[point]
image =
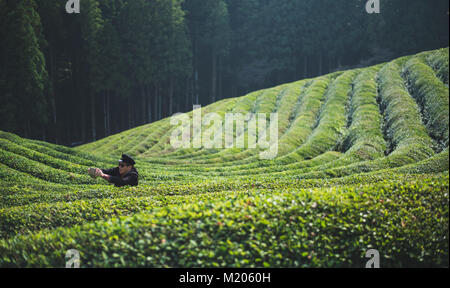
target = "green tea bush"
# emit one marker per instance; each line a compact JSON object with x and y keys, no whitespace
{"x":403,"y":124}
{"x":29,"y":218}
{"x":357,"y":169}
{"x":439,"y":62}
{"x":42,"y":158}
{"x":406,"y":222}
{"x":331,"y":122}
{"x":365,"y":138}
{"x":42,"y":171}
{"x":301,"y":126}
{"x":432,"y":96}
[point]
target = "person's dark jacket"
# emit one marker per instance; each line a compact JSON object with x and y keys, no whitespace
{"x":130,"y":178}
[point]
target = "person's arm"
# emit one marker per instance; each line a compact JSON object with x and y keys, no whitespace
{"x":107,"y":174}
{"x":108,"y":171}
{"x":130,"y":179}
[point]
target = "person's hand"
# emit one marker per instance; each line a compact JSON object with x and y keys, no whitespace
{"x":98,"y":172}
{"x":92,"y":172}
{"x":101,"y":174}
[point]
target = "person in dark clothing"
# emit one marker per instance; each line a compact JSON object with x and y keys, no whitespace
{"x":120,"y":176}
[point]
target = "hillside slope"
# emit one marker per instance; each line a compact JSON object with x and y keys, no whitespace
{"x":386,"y":116}
{"x":361,"y":163}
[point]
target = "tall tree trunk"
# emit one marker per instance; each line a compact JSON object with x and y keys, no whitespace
{"x":214,"y":77}
{"x":305,"y":67}
{"x":83,"y":122}
{"x":234,"y":83}
{"x":330,"y":63}
{"x":143,"y":104}
{"x":192,"y":87}
{"x":320,"y":63}
{"x":195,"y":74}
{"x":26,"y":128}
{"x":196,"y":88}
{"x":130,"y":108}
{"x":52,"y":79}
{"x":155,"y":108}
{"x":108,"y":113}
{"x":171,"y":95}
{"x":187,"y":93}
{"x":159,"y":103}
{"x":94,"y":130}
{"x":220,"y":76}
{"x":105,"y":113}
{"x":295,"y":70}
{"x":149,"y":103}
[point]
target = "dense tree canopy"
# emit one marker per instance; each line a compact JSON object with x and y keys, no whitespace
{"x":72,"y":78}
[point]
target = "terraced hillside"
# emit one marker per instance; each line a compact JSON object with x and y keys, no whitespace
{"x":362,"y":163}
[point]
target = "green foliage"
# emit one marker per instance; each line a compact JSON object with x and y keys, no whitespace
{"x":403,"y":123}
{"x":294,"y":229}
{"x":356,"y":170}
{"x":433,"y":98}
{"x":24,"y":79}
{"x":439,"y":62}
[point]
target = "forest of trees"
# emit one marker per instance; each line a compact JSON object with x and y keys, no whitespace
{"x":75,"y":78}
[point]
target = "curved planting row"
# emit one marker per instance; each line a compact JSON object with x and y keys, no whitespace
{"x":331,"y":122}
{"x":266,"y":104}
{"x":34,"y":217}
{"x":433,"y":98}
{"x":407,"y":136}
{"x":319,"y":229}
{"x":363,"y":140}
{"x":362,"y":163}
{"x":404,"y":130}
{"x":42,"y":171}
{"x":163,"y":144}
{"x":439,"y":62}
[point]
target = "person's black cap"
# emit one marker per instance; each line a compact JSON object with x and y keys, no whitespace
{"x":127,"y":159}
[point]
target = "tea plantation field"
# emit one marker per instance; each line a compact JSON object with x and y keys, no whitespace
{"x":362,"y":163}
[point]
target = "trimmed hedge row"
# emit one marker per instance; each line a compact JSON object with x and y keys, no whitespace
{"x":286,"y":115}
{"x":331,"y":122}
{"x":403,"y":124}
{"x":406,"y":222}
{"x":365,"y":138}
{"x":432,"y":96}
{"x":306,"y":117}
{"x":407,"y":135}
{"x":439,"y":62}
{"x":29,"y":218}
{"x":164,"y":140}
{"x":265,"y":103}
{"x":42,"y":158}
{"x":75,"y":152}
{"x":9,"y":175}
{"x":180,"y":155}
{"x":42,"y":171}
